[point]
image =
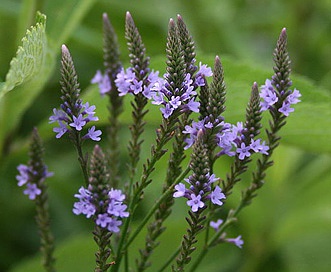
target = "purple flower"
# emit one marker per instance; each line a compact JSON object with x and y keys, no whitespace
{"x":167,"y":111}
{"x":269,"y":95}
{"x":117,"y":209}
{"x":103,"y":220}
{"x":293,"y":97}
{"x":195,"y":202}
{"x":175,"y":102}
{"x":136,"y":86}
{"x":32,"y":190}
{"x":193,"y":105}
{"x":180,"y":190}
{"x":23,"y":176}
{"x":90,"y":111}
{"x":103,"y":81}
{"x":200,"y":191}
{"x":216,"y":195}
{"x":61,"y":130}
{"x":84,"y":205}
{"x":113,"y":225}
{"x":236,"y":241}
{"x":216,"y":225}
{"x":243,"y":151}
{"x":256,"y":146}
{"x":116,"y":195}
{"x":78,"y":122}
{"x":211,"y":178}
{"x":286,"y":109}
{"x":93,"y":134}
{"x":106,"y":212}
{"x":203,"y":72}
{"x":124,"y":80}
{"x":59,"y":115}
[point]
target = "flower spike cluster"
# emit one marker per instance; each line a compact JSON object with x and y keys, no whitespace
{"x":34,"y":174}
{"x":114,"y":208}
{"x":73,"y":115}
{"x":201,"y":182}
{"x":104,"y":205}
{"x":164,"y":90}
{"x":270,"y":97}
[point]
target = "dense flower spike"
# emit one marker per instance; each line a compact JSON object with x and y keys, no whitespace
{"x":73,"y":115}
{"x":199,"y":192}
{"x":115,"y":209}
{"x":33,"y":177}
{"x":34,"y":174}
{"x":270,"y":98}
{"x":104,"y":205}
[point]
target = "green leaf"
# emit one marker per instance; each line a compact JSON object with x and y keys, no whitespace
{"x":28,"y":73}
{"x":29,"y":58}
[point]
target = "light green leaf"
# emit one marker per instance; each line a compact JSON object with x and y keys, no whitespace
{"x":28,"y":73}
{"x":29,"y":58}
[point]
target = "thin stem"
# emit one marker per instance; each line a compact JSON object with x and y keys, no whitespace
{"x":170,"y":260}
{"x":46,"y":237}
{"x":163,"y":136}
{"x":82,"y":160}
{"x":155,"y":207}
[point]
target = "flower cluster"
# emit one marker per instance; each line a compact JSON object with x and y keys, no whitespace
{"x":73,"y":115}
{"x":271,"y":97}
{"x":29,"y":177}
{"x":196,"y":200}
{"x":127,"y":82}
{"x":184,"y":98}
{"x":155,"y":88}
{"x":103,"y":82}
{"x":89,"y":205}
{"x":229,"y":139}
{"x":68,"y":121}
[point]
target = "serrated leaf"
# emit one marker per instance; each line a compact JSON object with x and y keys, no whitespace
{"x":29,"y":57}
{"x":28,"y":73}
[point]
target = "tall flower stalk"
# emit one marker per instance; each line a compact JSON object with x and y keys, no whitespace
{"x":33,"y":176}
{"x":277,"y":99}
{"x":74,"y":115}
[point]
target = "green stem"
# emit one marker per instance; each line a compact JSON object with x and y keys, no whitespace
{"x":157,"y":153}
{"x":155,"y":207}
{"x":170,"y":260}
{"x":82,"y":160}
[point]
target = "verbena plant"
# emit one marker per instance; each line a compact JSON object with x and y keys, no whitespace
{"x":191,"y":98}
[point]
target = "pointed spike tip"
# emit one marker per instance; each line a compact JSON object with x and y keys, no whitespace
{"x":128,"y":15}
{"x":105,"y":16}
{"x":64,"y":49}
{"x":171,"y":23}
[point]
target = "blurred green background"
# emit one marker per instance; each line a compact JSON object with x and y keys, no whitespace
{"x":288,"y":226}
